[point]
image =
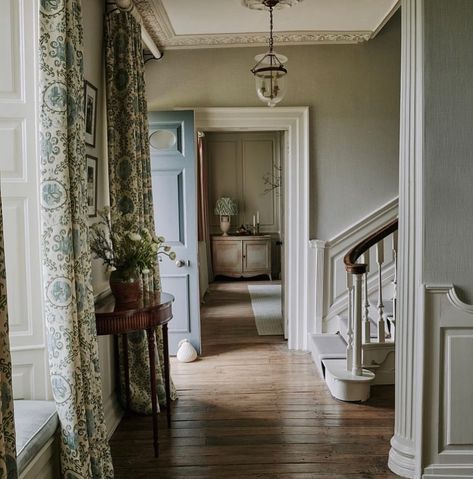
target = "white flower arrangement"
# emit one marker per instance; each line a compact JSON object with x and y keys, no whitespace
{"x":125,"y":247}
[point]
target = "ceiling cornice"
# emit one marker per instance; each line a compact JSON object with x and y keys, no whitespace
{"x":156,"y":21}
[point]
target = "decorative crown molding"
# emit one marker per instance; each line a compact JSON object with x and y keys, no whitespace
{"x":157,"y":23}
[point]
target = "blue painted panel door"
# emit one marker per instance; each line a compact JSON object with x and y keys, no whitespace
{"x":174,"y":176}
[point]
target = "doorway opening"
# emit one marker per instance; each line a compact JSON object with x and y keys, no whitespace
{"x":243,"y":187}
{"x":293,"y":123}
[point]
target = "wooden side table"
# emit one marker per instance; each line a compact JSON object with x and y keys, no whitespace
{"x":152,"y":310}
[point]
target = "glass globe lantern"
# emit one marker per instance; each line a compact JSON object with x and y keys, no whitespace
{"x":269,"y":71}
{"x":270,"y":76}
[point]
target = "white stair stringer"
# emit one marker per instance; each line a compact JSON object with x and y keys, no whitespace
{"x":326,"y":346}
{"x":380,"y":359}
{"x":343,"y":384}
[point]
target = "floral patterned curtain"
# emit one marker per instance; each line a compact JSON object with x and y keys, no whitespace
{"x":68,"y":298}
{"x":130,"y":176}
{"x":8,"y":468}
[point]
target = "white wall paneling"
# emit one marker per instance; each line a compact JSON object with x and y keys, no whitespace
{"x":237,"y":164}
{"x":328,"y":275}
{"x":20,"y":196}
{"x":294,"y":122}
{"x":447,"y":418}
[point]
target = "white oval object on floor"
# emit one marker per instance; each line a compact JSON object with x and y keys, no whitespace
{"x":186,"y":353}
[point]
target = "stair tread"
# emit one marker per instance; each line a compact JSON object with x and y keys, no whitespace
{"x":329,"y":346}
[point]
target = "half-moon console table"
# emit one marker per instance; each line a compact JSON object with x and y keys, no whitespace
{"x":152,"y":310}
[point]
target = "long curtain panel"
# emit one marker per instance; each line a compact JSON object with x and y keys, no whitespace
{"x":130,"y":178}
{"x":68,"y":298}
{"x":8,"y":468}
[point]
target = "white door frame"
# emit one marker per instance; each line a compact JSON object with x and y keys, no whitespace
{"x":294,"y":121}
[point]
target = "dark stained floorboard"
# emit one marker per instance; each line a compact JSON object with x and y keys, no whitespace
{"x":251,"y":409}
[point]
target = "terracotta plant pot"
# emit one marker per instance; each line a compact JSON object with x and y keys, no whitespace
{"x":126,"y":287}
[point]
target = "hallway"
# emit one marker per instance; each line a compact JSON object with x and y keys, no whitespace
{"x":250,"y":409}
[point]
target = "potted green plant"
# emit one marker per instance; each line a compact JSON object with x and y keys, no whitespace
{"x":128,"y":250}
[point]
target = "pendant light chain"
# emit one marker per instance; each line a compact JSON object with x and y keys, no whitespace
{"x":269,"y":70}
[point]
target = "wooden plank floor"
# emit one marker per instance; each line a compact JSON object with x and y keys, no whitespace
{"x":250,"y":409}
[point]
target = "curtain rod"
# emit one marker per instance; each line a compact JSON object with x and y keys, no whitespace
{"x":129,"y":6}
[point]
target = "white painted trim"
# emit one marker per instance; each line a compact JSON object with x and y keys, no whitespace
{"x":405,"y":456}
{"x":316,"y":312}
{"x":159,"y":26}
{"x":448,"y":317}
{"x":294,"y":121}
{"x":325,"y":255}
{"x":386,"y":18}
{"x":385,"y":213}
{"x":113,"y":414}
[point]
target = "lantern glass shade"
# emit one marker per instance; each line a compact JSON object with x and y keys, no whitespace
{"x":270,"y":76}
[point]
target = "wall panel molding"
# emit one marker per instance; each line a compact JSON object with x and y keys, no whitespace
{"x":329,"y":277}
{"x":447,"y":418}
{"x":237,"y":162}
{"x":20,"y":193}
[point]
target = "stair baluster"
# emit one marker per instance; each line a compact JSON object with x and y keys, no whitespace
{"x":366,"y":308}
{"x":357,"y":325}
{"x":393,"y":320}
{"x":350,"y":323}
{"x":380,"y":305}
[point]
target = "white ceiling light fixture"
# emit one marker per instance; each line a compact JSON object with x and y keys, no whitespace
{"x":269,"y":71}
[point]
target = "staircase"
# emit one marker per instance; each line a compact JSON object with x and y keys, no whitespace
{"x":361,"y":353}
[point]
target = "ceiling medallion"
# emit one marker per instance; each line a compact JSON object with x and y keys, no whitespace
{"x":262,"y":4}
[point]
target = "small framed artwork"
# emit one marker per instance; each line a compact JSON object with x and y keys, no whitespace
{"x":90,"y":111}
{"x":91,"y":185}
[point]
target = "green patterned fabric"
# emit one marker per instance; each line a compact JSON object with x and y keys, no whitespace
{"x":8,"y":469}
{"x":130,"y":178}
{"x":68,"y":298}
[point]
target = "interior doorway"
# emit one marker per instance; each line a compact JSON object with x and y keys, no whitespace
{"x":293,"y":122}
{"x":244,"y":180}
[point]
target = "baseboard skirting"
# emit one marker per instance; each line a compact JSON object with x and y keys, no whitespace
{"x":448,"y":471}
{"x":113,"y":414}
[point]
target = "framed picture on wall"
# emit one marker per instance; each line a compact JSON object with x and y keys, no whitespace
{"x":91,"y":185}
{"x":90,"y":111}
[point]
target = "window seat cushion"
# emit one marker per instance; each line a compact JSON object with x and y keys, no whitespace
{"x":35,"y":423}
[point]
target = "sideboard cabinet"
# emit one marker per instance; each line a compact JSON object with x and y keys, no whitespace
{"x":241,"y":256}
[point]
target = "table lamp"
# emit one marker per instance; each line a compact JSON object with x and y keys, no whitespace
{"x":225,"y":208}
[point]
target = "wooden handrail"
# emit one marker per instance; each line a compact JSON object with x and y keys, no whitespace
{"x":351,"y":266}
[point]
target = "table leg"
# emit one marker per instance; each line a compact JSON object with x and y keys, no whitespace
{"x":127,"y":370}
{"x":152,"y":371}
{"x":166,"y":373}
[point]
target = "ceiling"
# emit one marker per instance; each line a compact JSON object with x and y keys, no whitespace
{"x":225,"y":23}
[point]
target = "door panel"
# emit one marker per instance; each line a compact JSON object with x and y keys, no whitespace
{"x":174,"y":178}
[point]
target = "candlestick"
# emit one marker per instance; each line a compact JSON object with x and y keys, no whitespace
{"x":254,"y":222}
{"x":257,"y":217}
